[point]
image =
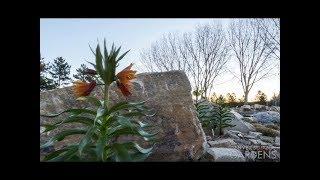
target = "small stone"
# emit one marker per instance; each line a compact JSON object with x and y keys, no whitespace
{"x":243,"y":142}
{"x":258,"y":142}
{"x":250,"y":137}
{"x":255,"y":134}
{"x":246,"y":108}
{"x":248,"y":119}
{"x":234,"y":131}
{"x":277,"y":141}
{"x":267,"y":139}
{"x":42,"y":129}
{"x":231,"y":135}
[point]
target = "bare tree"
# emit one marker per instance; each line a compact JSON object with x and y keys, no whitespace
{"x":270,"y":28}
{"x":252,"y":53}
{"x":163,"y":55}
{"x":208,"y":54}
{"x":202,"y":54}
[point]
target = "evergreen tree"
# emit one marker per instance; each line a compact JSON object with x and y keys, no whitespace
{"x":275,"y":100}
{"x":82,"y":75}
{"x":221,"y":100}
{"x":213,"y":98}
{"x":261,"y":97}
{"x":231,"y":98}
{"x":60,"y":71}
{"x":45,"y":82}
{"x":241,"y":100}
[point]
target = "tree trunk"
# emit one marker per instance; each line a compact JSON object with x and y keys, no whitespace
{"x":196,"y":99}
{"x":246,"y":97}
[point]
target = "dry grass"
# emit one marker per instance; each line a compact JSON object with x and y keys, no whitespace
{"x":272,"y":126}
{"x":266,"y":131}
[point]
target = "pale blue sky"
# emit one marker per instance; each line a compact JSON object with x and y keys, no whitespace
{"x":70,"y":38}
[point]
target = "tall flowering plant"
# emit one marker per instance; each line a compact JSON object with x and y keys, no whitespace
{"x":106,"y":123}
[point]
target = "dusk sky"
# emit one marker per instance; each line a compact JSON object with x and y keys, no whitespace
{"x":70,"y":39}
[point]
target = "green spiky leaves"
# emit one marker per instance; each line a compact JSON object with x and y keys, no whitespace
{"x":106,"y":63}
{"x":100,"y":131}
{"x":214,"y":117}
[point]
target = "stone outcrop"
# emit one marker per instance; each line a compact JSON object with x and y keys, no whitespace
{"x":267,"y":117}
{"x":239,"y":124}
{"x":180,"y":135}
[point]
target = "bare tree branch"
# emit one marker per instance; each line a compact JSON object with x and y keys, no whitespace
{"x":251,"y":48}
{"x":202,"y":54}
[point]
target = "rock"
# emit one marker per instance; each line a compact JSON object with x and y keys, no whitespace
{"x":243,"y":142}
{"x":267,"y":139}
{"x":231,"y":135}
{"x":275,"y":153}
{"x":249,"y":119}
{"x":208,"y":138}
{"x":275,"y":108}
{"x":180,"y":135}
{"x":277,"y":141}
{"x":259,"y":107}
{"x":240,"y":125}
{"x":250,"y":137}
{"x":226,"y":155}
{"x":245,"y":108}
{"x":258,"y":142}
{"x":206,"y":157}
{"x":47,"y":149}
{"x":250,"y":126}
{"x":234,"y":131}
{"x":255,"y":134}
{"x":222,"y":143}
{"x":267,"y":117}
{"x":42,"y":129}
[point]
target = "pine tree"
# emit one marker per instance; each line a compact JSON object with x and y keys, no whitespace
{"x":60,"y":71}
{"x":213,"y":98}
{"x":231,"y":98}
{"x":261,"y":97}
{"x":45,"y":82}
{"x":275,"y":100}
{"x":221,"y":100}
{"x":81,"y":74}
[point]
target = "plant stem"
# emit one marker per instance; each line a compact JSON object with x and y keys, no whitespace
{"x":106,"y":96}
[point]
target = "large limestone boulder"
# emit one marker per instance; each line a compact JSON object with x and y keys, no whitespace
{"x":180,"y":135}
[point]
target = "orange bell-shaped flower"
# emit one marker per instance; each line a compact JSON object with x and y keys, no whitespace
{"x":81,"y":88}
{"x":123,"y":80}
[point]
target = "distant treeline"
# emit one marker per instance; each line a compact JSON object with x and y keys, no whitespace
{"x":57,"y":74}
